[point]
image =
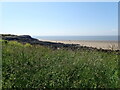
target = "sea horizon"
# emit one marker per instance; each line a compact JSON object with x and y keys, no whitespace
{"x":96,"y":38}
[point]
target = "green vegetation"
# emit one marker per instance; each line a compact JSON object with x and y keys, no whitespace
{"x":35,"y":66}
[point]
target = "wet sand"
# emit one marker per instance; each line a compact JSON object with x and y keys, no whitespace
{"x":112,"y":45}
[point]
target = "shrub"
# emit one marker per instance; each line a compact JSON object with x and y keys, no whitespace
{"x":35,"y":66}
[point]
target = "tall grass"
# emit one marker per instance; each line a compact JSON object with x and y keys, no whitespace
{"x":35,"y":66}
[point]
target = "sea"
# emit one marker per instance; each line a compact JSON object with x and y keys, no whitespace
{"x":91,"y":38}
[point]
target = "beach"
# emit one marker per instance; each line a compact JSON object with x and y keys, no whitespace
{"x":111,"y":45}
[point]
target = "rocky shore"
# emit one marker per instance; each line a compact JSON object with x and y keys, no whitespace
{"x":55,"y":45}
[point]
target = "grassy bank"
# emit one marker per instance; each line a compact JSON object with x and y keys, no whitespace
{"x":35,"y":66}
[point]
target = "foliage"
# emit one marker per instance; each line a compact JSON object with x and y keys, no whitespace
{"x":35,"y":66}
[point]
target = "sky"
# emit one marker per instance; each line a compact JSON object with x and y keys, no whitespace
{"x":59,"y":18}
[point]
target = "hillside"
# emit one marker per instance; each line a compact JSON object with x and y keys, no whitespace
{"x":37,"y":66}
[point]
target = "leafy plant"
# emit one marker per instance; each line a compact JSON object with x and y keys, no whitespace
{"x":35,"y":66}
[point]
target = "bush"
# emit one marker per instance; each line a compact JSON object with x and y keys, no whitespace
{"x":35,"y":66}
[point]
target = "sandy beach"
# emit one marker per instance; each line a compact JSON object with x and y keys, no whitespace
{"x":112,"y":45}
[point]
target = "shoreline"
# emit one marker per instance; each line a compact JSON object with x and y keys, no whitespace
{"x":109,"y":45}
{"x":72,"y":44}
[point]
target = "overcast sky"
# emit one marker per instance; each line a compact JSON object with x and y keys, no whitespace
{"x":60,"y":18}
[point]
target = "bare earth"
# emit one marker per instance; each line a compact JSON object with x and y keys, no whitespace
{"x":113,"y":45}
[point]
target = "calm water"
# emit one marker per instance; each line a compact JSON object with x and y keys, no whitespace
{"x":101,"y":38}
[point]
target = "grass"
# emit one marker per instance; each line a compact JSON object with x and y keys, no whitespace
{"x":35,"y":66}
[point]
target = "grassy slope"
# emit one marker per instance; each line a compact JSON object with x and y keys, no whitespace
{"x":29,"y":66}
